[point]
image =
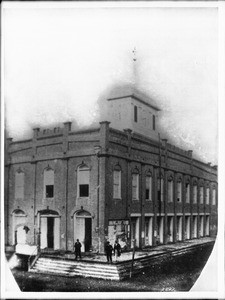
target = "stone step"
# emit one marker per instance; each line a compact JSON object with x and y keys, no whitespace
{"x":73,"y":268}
{"x":82,"y":267}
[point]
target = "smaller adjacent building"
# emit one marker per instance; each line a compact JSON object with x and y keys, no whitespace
{"x":115,"y":181}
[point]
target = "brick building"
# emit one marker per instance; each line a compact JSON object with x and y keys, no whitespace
{"x":115,"y":181}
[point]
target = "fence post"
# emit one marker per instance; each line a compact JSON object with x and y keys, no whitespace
{"x":132,"y":263}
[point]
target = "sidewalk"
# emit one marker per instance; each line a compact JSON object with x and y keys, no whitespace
{"x":126,"y":256}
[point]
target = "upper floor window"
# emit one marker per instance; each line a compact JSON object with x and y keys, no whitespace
{"x":148,"y":187}
{"x":117,"y":184}
{"x":207,"y":196}
{"x":135,"y":113}
{"x":201,"y":194}
{"x":135,"y":186}
{"x":179,"y":191}
{"x":170,"y":189}
{"x":187,"y":192}
{"x":214,"y":197}
{"x":195,"y":193}
{"x":19,"y":185}
{"x":83,"y":177}
{"x":160,"y":188}
{"x":49,"y":183}
{"x":153,"y":122}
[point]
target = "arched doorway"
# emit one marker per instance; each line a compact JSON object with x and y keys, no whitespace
{"x":49,"y":224}
{"x":19,"y":232}
{"x":83,"y":229}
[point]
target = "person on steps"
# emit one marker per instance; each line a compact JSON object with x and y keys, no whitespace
{"x":77,"y":247}
{"x":117,"y":250}
{"x":108,"y":251}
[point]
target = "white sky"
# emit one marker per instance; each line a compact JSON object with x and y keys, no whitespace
{"x":58,"y":62}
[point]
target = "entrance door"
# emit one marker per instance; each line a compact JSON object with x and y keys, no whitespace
{"x":50,"y":232}
{"x":187,"y":228}
{"x":148,"y":231}
{"x":134,"y":232}
{"x":201,"y":226}
{"x":83,"y":232}
{"x":207,"y":226}
{"x":170,"y":229}
{"x":179,"y":228}
{"x":195,"y":226}
{"x":87,"y":240}
{"x":160,"y":229}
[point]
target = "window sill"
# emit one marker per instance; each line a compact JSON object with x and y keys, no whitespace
{"x":117,"y":199}
{"x":83,"y":198}
{"x":148,"y":200}
{"x":135,"y":200}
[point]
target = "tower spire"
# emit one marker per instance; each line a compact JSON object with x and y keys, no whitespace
{"x":134,"y":66}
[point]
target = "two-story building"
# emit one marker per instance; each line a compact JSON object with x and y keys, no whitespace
{"x":116,"y":181}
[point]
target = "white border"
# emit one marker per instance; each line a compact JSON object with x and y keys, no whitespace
{"x":220,"y":238}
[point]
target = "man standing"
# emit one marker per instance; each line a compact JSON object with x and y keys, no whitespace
{"x":108,"y":251}
{"x":77,"y":247}
{"x":117,"y":250}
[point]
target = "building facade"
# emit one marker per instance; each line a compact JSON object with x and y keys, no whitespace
{"x":106,"y":183}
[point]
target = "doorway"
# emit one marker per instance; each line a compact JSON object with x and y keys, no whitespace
{"x":160,"y":229}
{"x":195,"y":222}
{"x":170,"y":229}
{"x":83,"y":230}
{"x":187,"y":227}
{"x":148,"y":231}
{"x":201,"y":226}
{"x":134,"y":231}
{"x":49,"y":230}
{"x":179,"y":228}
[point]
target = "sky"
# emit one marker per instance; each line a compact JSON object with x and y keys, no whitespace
{"x":60,"y":63}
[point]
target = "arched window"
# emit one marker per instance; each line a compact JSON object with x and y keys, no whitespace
{"x":49,"y":183}
{"x":19,"y":185}
{"x":117,"y":182}
{"x":214,"y":196}
{"x":160,"y":188}
{"x":195,"y":188}
{"x":170,"y":189}
{"x":207,"y":195}
{"x":83,"y":178}
{"x":179,"y":190}
{"x":187,"y":192}
{"x":148,"y":186}
{"x":135,"y":185}
{"x":201,"y":195}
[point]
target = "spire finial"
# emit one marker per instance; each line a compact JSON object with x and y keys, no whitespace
{"x":134,"y":54}
{"x":134,"y":79}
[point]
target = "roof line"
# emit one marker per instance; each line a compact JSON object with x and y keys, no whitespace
{"x":136,"y":98}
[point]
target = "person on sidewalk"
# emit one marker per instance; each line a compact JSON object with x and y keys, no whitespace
{"x":108,"y":251}
{"x":77,"y":247}
{"x":117,"y":250}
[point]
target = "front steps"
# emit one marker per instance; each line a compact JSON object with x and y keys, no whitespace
{"x":76,"y":268}
{"x":115,"y":271}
